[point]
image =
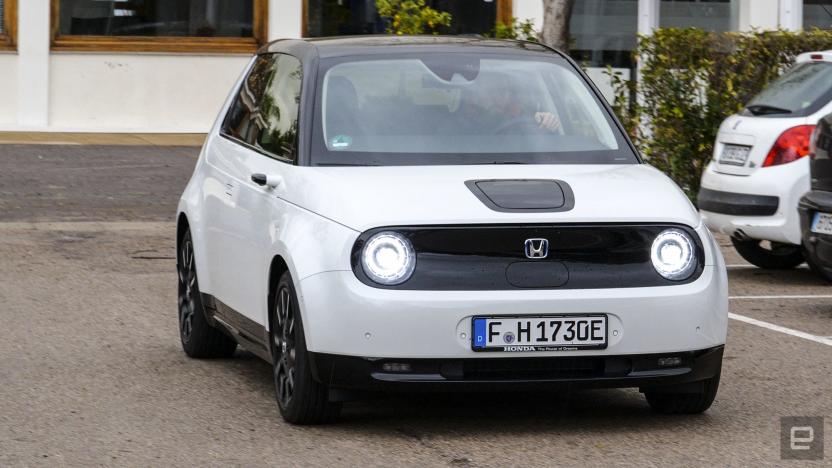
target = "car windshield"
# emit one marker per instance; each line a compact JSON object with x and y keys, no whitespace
{"x":460,"y":108}
{"x":799,"y":92}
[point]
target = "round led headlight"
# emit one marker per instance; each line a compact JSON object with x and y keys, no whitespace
{"x":673,"y":254}
{"x":388,"y":258}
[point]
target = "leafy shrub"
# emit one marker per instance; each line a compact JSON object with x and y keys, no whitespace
{"x":691,"y":80}
{"x":411,"y":16}
{"x":516,"y":29}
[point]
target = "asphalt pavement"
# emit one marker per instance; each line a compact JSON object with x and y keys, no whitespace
{"x":92,"y":373}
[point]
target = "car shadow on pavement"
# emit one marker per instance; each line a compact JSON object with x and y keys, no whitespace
{"x":598,"y":410}
{"x":516,"y":413}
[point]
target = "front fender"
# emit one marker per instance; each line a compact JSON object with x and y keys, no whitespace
{"x":310,"y":244}
{"x":191,"y":206}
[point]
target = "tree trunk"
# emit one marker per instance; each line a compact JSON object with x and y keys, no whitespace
{"x":556,"y":15}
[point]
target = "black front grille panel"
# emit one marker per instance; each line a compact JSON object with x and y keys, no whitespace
{"x":493,"y":257}
{"x":536,"y":368}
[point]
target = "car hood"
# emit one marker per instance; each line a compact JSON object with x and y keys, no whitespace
{"x":366,"y":197}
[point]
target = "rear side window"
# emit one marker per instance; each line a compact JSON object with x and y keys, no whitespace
{"x":264,"y":114}
{"x":799,"y":92}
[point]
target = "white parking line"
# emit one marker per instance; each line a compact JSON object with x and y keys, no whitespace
{"x":797,"y":296}
{"x":778,"y":328}
{"x":748,"y":266}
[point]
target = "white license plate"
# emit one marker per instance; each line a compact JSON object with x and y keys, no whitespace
{"x":822,"y":224}
{"x":734,"y":155}
{"x":541,"y":333}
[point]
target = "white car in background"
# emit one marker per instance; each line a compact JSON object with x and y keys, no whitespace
{"x":751,"y":188}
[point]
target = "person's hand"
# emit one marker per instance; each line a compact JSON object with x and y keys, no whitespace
{"x":547,"y":121}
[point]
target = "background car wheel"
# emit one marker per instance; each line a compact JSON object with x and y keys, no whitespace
{"x":669,"y":402}
{"x":769,"y":255}
{"x":816,"y":268}
{"x":199,"y":338}
{"x":300,"y":398}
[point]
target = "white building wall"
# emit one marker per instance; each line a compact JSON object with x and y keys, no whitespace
{"x":529,"y":9}
{"x":8,"y":89}
{"x":759,"y":14}
{"x":285,"y":19}
{"x":770,"y":14}
{"x":126,"y":92}
{"x":144,"y":93}
{"x":33,"y":63}
{"x":790,"y":14}
{"x":46,"y":91}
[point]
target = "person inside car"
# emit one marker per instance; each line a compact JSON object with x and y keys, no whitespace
{"x":491,"y":103}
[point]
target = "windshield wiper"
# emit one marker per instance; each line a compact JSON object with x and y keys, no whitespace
{"x":765,"y":109}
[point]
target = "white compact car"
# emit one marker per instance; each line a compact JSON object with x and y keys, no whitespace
{"x":439,"y":214}
{"x":759,"y":171}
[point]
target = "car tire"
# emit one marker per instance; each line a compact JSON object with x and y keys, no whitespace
{"x":301,"y":399}
{"x":667,"y":401}
{"x":199,"y":339}
{"x":816,"y":268}
{"x":779,"y":257}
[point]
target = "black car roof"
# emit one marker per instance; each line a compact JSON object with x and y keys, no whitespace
{"x":384,"y":44}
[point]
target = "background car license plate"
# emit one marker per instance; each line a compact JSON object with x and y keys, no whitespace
{"x":822,"y":224}
{"x":541,"y":333}
{"x":734,"y":155}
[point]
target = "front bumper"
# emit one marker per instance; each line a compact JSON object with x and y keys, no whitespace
{"x":760,"y":205}
{"x":527,"y":373}
{"x":343,"y":316}
{"x":818,"y":246}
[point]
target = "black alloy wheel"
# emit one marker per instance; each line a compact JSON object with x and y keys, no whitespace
{"x":284,"y":347}
{"x":187,"y":282}
{"x":301,"y":399}
{"x":199,"y":338}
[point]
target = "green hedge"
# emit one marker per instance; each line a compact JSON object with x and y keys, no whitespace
{"x":690,"y":80}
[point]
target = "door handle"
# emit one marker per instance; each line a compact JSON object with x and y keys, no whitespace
{"x":270,"y":181}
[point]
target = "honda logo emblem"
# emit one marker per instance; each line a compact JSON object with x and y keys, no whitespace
{"x":537,"y":248}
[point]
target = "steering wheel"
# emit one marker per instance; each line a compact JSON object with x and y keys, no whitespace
{"x":517,"y":124}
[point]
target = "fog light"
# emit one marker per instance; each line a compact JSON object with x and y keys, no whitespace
{"x":670,"y":361}
{"x":395,"y":367}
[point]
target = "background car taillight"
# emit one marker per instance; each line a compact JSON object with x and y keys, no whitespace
{"x":792,"y":145}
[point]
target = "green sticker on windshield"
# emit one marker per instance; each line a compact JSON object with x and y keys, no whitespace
{"x":340,"y":142}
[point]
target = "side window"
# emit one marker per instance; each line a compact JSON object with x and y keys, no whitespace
{"x":241,"y":121}
{"x":279,"y":109}
{"x":265,"y":113}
